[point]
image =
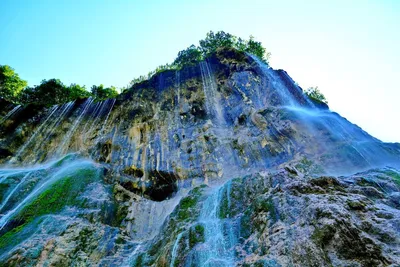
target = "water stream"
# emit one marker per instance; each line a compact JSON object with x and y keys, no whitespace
{"x":10,"y":113}
{"x":211,"y":94}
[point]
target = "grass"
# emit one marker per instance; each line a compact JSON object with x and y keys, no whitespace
{"x":62,"y":193}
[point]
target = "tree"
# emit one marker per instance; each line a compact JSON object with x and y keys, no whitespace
{"x":315,"y":94}
{"x":189,"y":56}
{"x":216,"y":40}
{"x":11,"y":84}
{"x":213,"y":41}
{"x":101,"y":93}
{"x":51,"y":92}
{"x":76,"y":91}
{"x":256,"y":48}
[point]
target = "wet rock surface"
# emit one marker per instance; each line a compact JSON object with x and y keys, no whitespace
{"x":223,"y":163}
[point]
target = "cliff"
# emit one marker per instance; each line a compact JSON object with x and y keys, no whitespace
{"x":222,"y":163}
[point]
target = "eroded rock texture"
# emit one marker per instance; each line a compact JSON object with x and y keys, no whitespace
{"x":224,"y":163}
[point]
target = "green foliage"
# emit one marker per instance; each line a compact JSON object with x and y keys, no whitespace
{"x":48,"y":92}
{"x":187,"y":205}
{"x":11,"y":84}
{"x":196,"y":235}
{"x":315,"y":94}
{"x":184,"y":207}
{"x":101,"y":93}
{"x":51,"y":92}
{"x":256,"y":48}
{"x":76,"y":91}
{"x":11,"y":237}
{"x":213,"y":41}
{"x":189,"y":56}
{"x":62,"y":193}
{"x":216,"y":40}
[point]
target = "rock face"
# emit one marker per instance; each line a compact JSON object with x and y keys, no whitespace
{"x":224,"y":163}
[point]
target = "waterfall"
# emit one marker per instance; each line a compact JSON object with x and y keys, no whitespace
{"x":67,"y":138}
{"x":286,"y":96}
{"x":212,"y":96}
{"x":98,"y":112}
{"x":175,"y":249}
{"x":106,"y":119}
{"x":58,"y":120}
{"x":92,"y":115}
{"x":178,"y":100}
{"x":13,"y":191}
{"x":10,"y":113}
{"x":218,"y":246}
{"x":33,"y":136}
{"x":44,"y":183}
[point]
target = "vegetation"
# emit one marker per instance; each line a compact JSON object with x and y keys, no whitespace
{"x":48,"y":92}
{"x":10,"y":83}
{"x":101,"y":93}
{"x":213,"y":41}
{"x":62,"y":193}
{"x":315,"y":94}
{"x":51,"y":92}
{"x":196,"y":235}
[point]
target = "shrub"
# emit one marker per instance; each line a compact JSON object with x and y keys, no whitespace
{"x":101,"y":93}
{"x":11,"y":84}
{"x":315,"y":94}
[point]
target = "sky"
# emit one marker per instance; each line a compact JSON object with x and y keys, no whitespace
{"x":349,"y":49}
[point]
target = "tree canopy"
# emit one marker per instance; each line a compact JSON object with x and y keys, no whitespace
{"x":315,"y":94}
{"x":48,"y":92}
{"x":213,"y":41}
{"x":51,"y":92}
{"x":101,"y":93}
{"x":10,"y":83}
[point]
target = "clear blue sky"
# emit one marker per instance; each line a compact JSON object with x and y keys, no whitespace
{"x":350,"y":49}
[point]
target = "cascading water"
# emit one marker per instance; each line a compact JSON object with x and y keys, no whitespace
{"x":98,"y":113}
{"x":45,"y":181}
{"x":287,"y":98}
{"x":175,"y":249}
{"x":10,"y":113}
{"x":7,"y":198}
{"x":63,"y":147}
{"x":93,"y":115}
{"x":219,"y":240}
{"x":60,"y":117}
{"x":149,"y":206}
{"x":37,"y":131}
{"x":107,"y":116}
{"x":211,"y":94}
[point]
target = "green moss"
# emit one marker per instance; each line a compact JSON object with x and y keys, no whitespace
{"x":187,"y":204}
{"x":322,"y":236}
{"x":196,"y":235}
{"x":139,"y":261}
{"x":184,"y":207}
{"x":60,"y":194}
{"x":395,"y":175}
{"x":3,"y":190}
{"x":17,"y":235}
{"x":121,"y":214}
{"x":10,"y":238}
{"x":267,"y":205}
{"x":155,"y":248}
{"x":246,"y":224}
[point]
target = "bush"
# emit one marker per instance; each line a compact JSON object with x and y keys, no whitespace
{"x":315,"y":94}
{"x":11,"y":84}
{"x":51,"y":92}
{"x":101,"y":93}
{"x":213,"y":41}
